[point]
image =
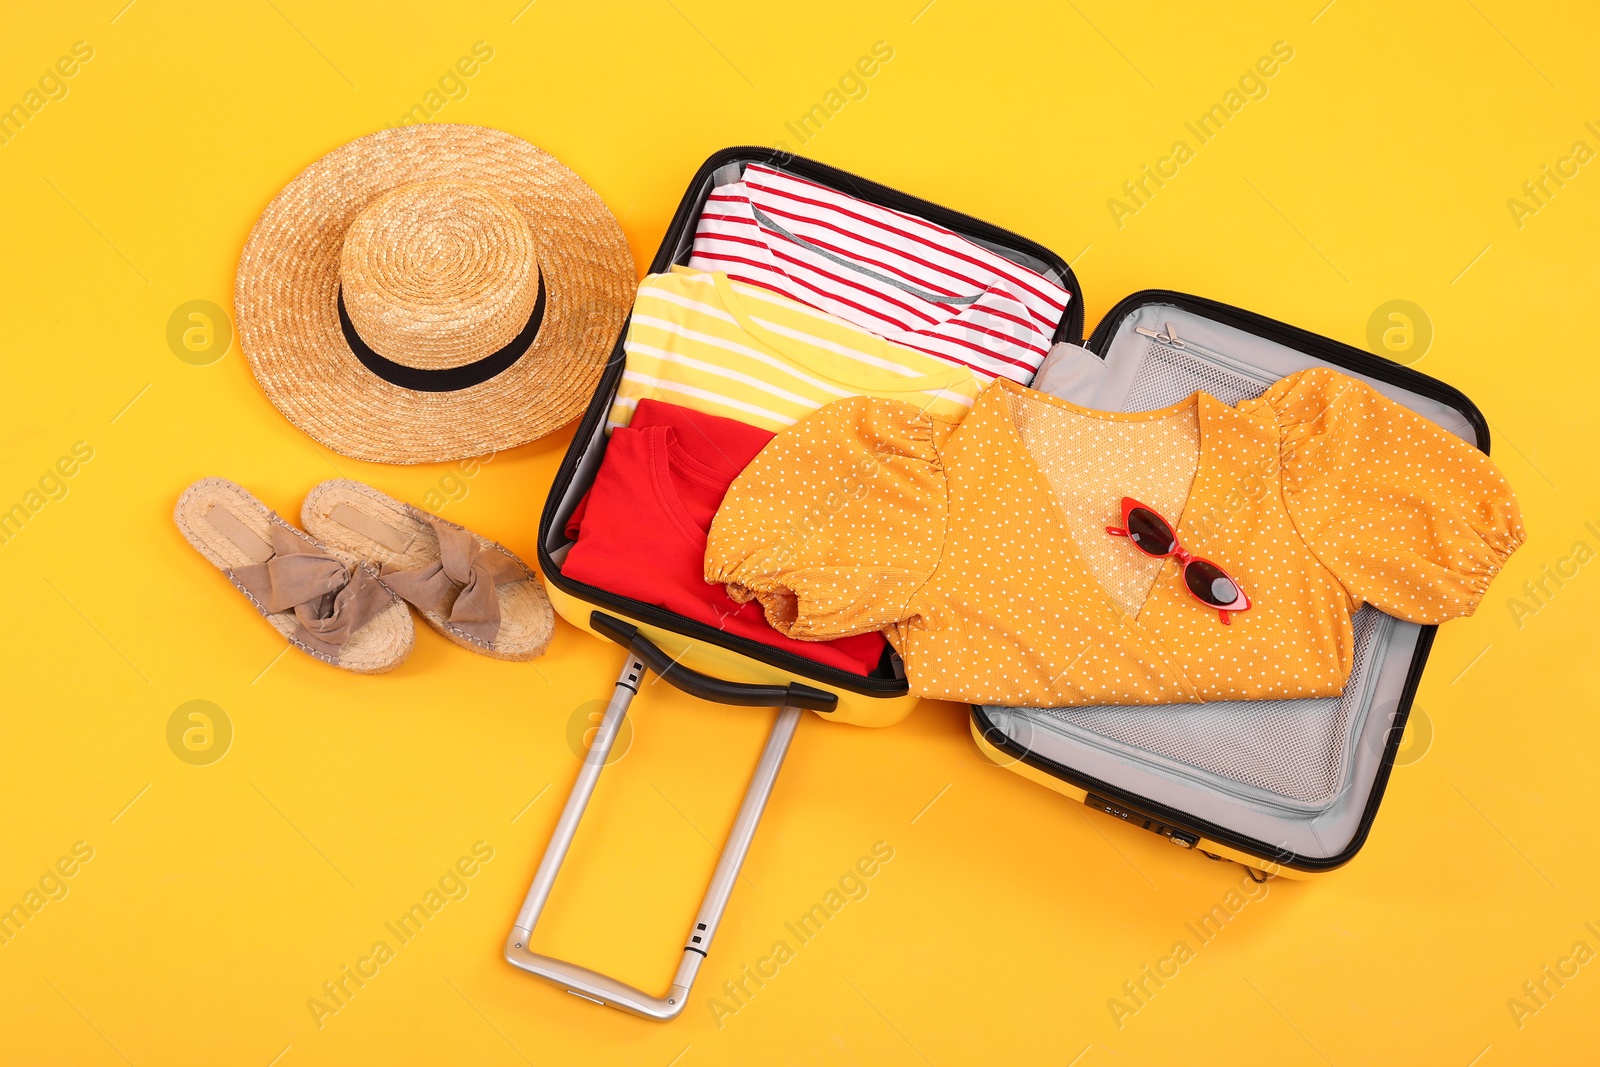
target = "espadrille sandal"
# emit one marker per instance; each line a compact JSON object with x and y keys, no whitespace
{"x":327,"y":607}
{"x":467,"y":587}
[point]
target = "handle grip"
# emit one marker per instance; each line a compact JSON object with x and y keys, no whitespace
{"x":746,"y":694}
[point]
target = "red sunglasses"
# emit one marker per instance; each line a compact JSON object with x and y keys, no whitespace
{"x":1154,"y":536}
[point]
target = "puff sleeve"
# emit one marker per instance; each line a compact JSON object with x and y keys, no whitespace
{"x":838,"y":523}
{"x":1408,"y":517}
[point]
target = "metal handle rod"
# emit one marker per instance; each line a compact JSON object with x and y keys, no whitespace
{"x":737,"y":847}
{"x":594,"y":761}
{"x":591,"y":985}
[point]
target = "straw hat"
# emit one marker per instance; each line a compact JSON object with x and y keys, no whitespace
{"x":432,"y":292}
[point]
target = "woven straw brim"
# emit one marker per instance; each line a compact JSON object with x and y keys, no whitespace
{"x":526,"y":619}
{"x":380,"y":645}
{"x":286,"y":290}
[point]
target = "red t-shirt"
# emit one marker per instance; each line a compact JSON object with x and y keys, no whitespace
{"x":641,"y":529}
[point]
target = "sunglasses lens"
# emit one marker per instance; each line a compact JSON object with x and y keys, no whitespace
{"x":1150,"y":532}
{"x":1207,"y":582}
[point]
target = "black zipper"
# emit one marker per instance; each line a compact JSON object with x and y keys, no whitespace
{"x":683,"y":220}
{"x":1339,"y":354}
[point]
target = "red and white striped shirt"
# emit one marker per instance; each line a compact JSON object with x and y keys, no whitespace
{"x":903,"y":278}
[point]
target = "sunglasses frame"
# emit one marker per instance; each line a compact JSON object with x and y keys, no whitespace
{"x":1183,"y":556}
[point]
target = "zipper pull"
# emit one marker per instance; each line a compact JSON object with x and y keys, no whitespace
{"x":1169,"y":338}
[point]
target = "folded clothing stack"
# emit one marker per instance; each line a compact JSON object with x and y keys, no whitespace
{"x":795,"y":296}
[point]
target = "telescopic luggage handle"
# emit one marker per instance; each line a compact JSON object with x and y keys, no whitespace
{"x":644,"y":655}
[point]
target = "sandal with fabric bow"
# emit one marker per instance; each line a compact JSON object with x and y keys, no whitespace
{"x":329,"y":608}
{"x":472,"y":590}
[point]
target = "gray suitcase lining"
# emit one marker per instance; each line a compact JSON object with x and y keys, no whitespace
{"x":1294,"y":773}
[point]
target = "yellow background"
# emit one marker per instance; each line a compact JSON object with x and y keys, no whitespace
{"x":1377,"y":167}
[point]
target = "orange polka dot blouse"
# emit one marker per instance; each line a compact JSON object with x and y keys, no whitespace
{"x":981,"y":550}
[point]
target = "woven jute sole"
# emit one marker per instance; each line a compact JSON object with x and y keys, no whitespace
{"x":380,"y":645}
{"x":526,"y":618}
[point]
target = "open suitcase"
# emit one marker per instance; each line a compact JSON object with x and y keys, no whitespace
{"x":1288,"y":786}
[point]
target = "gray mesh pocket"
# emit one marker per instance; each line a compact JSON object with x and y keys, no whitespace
{"x":1168,"y":375}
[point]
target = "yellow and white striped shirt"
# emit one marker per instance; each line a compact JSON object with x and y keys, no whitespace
{"x":725,"y":348}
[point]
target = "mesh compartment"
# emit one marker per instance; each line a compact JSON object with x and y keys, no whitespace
{"x":1294,"y":748}
{"x":1168,"y":375}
